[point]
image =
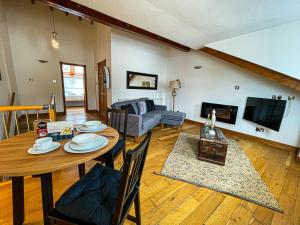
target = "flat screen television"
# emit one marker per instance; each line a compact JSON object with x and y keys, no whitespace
{"x":265,"y":112}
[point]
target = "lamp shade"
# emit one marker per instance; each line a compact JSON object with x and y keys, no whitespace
{"x":174,"y":84}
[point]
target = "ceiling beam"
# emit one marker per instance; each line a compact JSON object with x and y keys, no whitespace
{"x":278,"y":77}
{"x":83,"y":11}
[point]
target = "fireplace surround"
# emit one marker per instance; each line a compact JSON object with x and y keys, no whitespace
{"x":224,"y":113}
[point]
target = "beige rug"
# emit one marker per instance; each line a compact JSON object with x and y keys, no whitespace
{"x":238,"y":177}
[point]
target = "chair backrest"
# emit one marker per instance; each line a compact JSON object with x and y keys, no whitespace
{"x":117,"y":119}
{"x":131,"y":177}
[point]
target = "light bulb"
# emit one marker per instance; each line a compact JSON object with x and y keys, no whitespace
{"x":54,"y":41}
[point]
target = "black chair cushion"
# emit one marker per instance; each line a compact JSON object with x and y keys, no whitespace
{"x":92,"y":199}
{"x":116,"y":149}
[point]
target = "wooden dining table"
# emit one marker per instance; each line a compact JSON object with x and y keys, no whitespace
{"x":16,"y":163}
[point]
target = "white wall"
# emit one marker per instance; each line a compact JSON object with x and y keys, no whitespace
{"x":102,"y":51}
{"x":215,"y":83}
{"x":130,"y":53}
{"x":276,"y":48}
{"x":29,"y":27}
{"x":8,"y":82}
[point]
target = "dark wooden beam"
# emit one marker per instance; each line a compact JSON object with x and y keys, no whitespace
{"x":278,"y":77}
{"x":83,"y":11}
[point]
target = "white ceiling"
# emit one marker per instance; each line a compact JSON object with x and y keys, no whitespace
{"x":198,"y":22}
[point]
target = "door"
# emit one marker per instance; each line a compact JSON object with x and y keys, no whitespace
{"x":102,"y":90}
{"x":74,"y":87}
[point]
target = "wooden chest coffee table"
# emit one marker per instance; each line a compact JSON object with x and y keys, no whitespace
{"x":212,"y":148}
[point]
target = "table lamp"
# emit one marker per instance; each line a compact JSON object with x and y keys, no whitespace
{"x":174,"y":84}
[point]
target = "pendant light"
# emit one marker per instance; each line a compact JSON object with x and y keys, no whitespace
{"x":54,"y":39}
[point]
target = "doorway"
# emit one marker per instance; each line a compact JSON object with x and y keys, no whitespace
{"x":102,"y":90}
{"x":74,"y":87}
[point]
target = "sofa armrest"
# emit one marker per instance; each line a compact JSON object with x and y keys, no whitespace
{"x":134,"y":125}
{"x":161,"y":107}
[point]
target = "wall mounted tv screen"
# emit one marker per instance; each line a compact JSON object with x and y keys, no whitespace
{"x":266,"y":112}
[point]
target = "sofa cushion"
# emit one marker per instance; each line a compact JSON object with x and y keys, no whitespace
{"x":155,"y":113}
{"x":130,"y":108}
{"x":117,"y":105}
{"x":142,"y":107}
{"x":92,"y":199}
{"x":170,"y":115}
{"x":150,"y":121}
{"x":150,"y":105}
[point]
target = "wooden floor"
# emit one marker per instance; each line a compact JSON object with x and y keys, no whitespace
{"x":167,"y":201}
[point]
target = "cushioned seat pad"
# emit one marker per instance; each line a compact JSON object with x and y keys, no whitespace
{"x":120,"y":144}
{"x":169,"y":115}
{"x":92,"y":199}
{"x":150,"y":121}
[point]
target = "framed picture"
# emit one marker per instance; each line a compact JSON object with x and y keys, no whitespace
{"x":137,"y":80}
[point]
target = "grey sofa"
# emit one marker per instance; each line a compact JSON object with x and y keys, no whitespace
{"x":138,"y":125}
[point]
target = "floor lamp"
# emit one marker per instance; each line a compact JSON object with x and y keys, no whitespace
{"x":174,"y":84}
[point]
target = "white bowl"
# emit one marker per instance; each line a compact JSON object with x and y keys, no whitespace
{"x":92,"y":124}
{"x":84,"y":139}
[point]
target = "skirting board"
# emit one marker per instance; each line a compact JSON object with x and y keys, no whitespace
{"x":258,"y":139}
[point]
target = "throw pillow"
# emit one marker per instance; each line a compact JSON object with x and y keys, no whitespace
{"x":150,"y":105}
{"x":142,"y":107}
{"x":129,"y":107}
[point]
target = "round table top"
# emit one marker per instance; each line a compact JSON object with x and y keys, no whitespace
{"x":15,"y":161}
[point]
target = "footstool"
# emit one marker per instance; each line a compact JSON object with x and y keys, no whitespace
{"x":172,"y":118}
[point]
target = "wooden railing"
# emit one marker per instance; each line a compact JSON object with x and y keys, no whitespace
{"x":15,"y":109}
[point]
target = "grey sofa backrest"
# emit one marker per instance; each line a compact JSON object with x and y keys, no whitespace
{"x":117,"y":105}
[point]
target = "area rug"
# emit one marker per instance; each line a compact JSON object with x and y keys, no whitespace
{"x":238,"y":177}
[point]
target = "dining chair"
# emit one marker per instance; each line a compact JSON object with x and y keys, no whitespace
{"x":104,"y":195}
{"x":117,"y":119}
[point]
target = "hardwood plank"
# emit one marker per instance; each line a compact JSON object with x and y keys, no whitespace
{"x":223,"y":213}
{"x":164,"y":208}
{"x":206,"y":208}
{"x":180,"y":213}
{"x":242,"y":215}
{"x":163,"y":138}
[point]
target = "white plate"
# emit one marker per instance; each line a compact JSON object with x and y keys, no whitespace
{"x":92,"y":123}
{"x":84,"y":129}
{"x":99,"y":140}
{"x":101,"y":145}
{"x":35,"y":151}
{"x":85,"y":139}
